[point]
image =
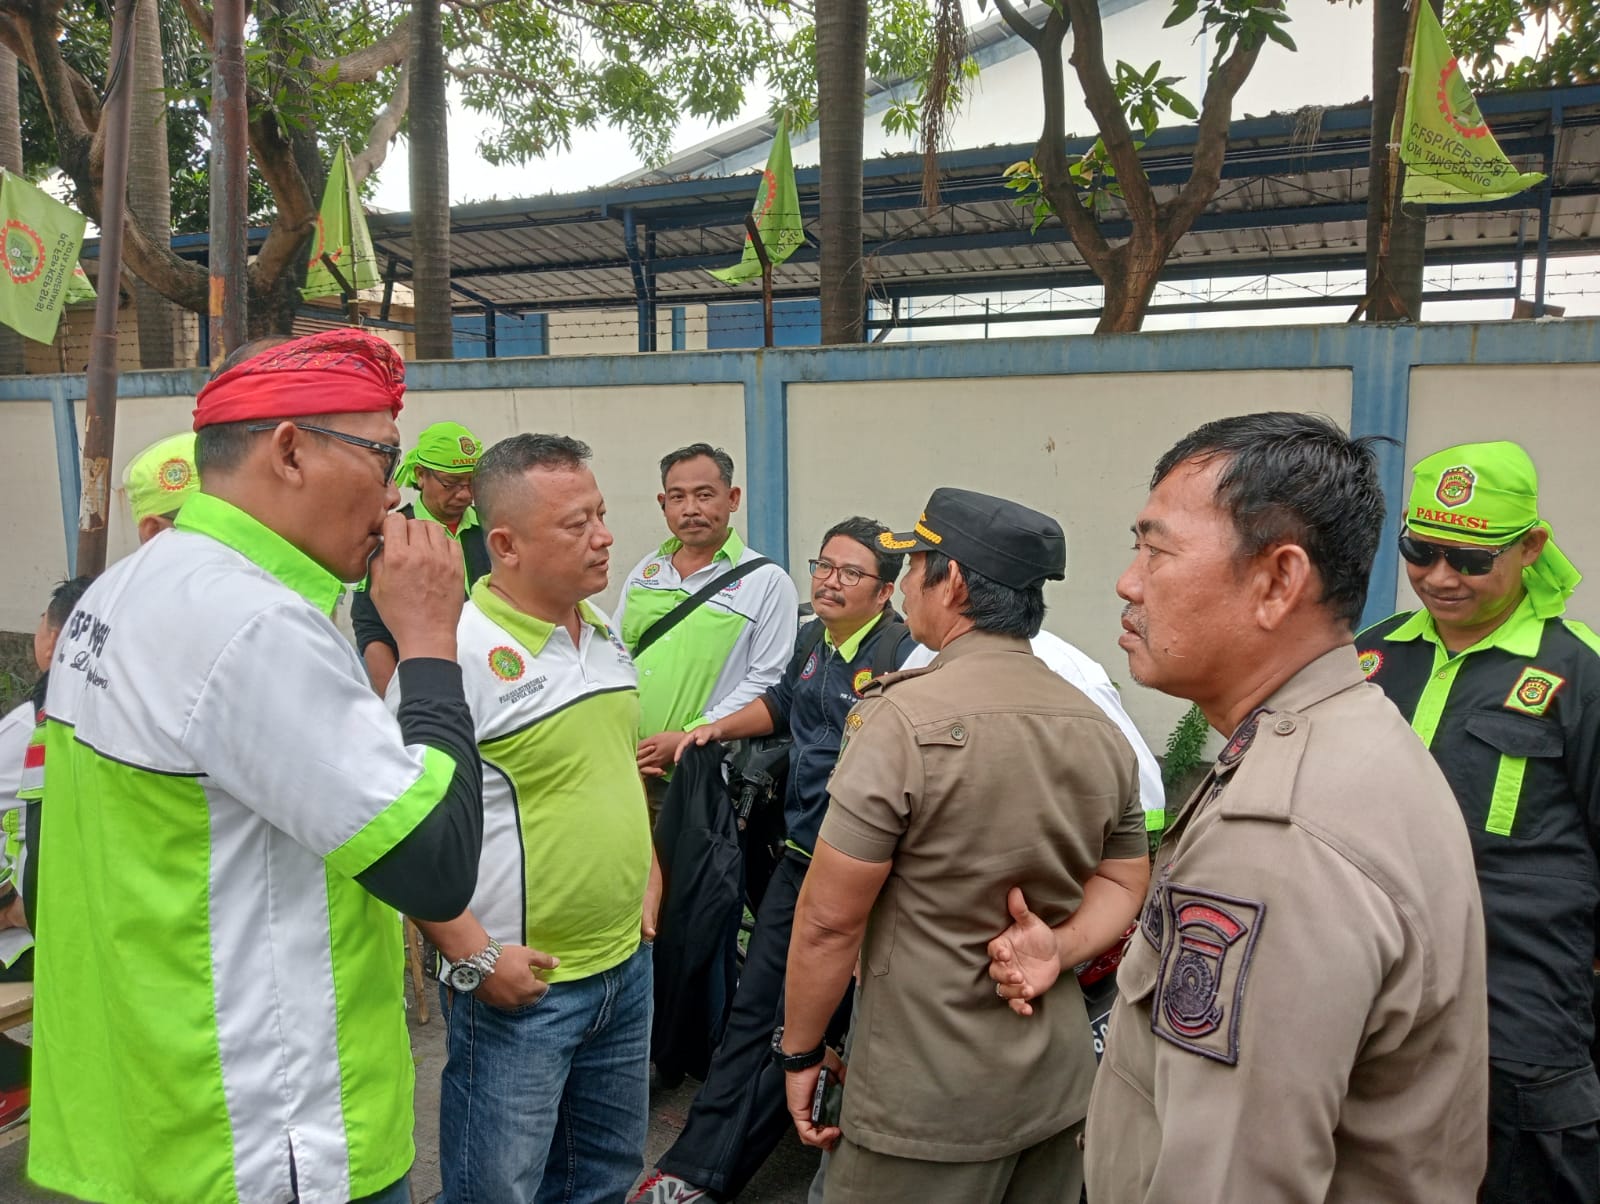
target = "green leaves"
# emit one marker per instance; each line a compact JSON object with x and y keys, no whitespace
{"x":1567,"y":41}
{"x":1243,"y":22}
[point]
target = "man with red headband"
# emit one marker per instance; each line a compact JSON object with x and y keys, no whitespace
{"x":236,"y":815}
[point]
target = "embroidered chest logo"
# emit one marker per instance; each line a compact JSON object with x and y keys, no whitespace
{"x":810,"y":670}
{"x":1535,"y":690}
{"x":1455,"y":486}
{"x":1371,"y":661}
{"x":173,"y":474}
{"x":1205,"y":962}
{"x":733,"y":586}
{"x":506,"y":663}
{"x":650,"y":570}
{"x":861,"y":680}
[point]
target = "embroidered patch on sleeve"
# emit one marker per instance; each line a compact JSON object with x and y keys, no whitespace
{"x":1205,"y":962}
{"x":1534,"y":692}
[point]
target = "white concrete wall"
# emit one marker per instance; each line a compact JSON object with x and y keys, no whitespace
{"x":1080,"y":448}
{"x":1551,"y":412}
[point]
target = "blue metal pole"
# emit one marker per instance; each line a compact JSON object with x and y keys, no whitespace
{"x":68,"y":468}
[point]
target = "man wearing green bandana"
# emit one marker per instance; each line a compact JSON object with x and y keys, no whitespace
{"x":440,"y":469}
{"x":1505,"y":692}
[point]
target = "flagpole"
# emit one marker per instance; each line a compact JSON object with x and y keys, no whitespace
{"x":100,"y":425}
{"x":1397,"y":134}
{"x":766,"y":275}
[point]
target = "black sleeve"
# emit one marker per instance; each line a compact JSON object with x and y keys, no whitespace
{"x":30,"y":875}
{"x":433,"y":871}
{"x":368,"y":623}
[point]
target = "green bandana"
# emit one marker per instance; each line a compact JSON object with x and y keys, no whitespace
{"x":1487,"y":494}
{"x":162,"y":477}
{"x":443,"y":447}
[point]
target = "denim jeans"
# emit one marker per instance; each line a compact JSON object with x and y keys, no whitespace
{"x":548,"y":1104}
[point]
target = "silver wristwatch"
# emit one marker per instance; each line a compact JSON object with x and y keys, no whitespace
{"x":469,"y":972}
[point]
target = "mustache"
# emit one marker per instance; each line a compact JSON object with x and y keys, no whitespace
{"x":831,"y":596}
{"x":1135,"y":617}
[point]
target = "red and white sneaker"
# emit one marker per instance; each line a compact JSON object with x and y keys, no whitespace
{"x":14,"y":1107}
{"x":662,"y":1188}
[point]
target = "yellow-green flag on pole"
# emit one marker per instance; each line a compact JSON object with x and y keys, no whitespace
{"x":1449,"y":153}
{"x":777,"y":214}
{"x":80,"y":287}
{"x":39,"y":243}
{"x":342,"y":233}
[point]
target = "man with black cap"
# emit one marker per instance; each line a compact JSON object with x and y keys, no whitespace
{"x":1505,"y":692}
{"x":957,"y":784}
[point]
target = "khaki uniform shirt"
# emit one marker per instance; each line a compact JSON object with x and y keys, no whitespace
{"x":981,"y":772}
{"x":1302,"y":1012}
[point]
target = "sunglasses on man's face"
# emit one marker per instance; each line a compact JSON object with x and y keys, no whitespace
{"x":1469,"y":562}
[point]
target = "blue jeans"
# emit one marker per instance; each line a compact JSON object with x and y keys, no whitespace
{"x":548,"y":1104}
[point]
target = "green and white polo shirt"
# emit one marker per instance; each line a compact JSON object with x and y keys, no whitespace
{"x":16,"y":732}
{"x":566,"y":834}
{"x":217,"y":999}
{"x":724,"y":655}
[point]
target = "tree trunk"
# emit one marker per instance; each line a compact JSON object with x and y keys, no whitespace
{"x":11,"y":344}
{"x":841,"y":117}
{"x":1409,"y":230}
{"x":430,"y":186}
{"x":149,"y":182}
{"x":1128,"y":287}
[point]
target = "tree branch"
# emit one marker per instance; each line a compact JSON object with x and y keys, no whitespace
{"x":1100,"y":94}
{"x":1055,"y":181}
{"x":200,"y":19}
{"x":363,"y":65}
{"x":1211,"y":143}
{"x":384,"y":129}
{"x":274,"y":156}
{"x":1020,"y":25}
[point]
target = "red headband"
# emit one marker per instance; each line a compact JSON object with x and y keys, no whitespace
{"x":344,"y":371}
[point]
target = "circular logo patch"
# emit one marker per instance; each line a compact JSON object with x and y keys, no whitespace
{"x":174,"y":475}
{"x":469,"y":446}
{"x":650,"y":570}
{"x":1457,"y":105}
{"x":1371,"y":661}
{"x":733,"y":586}
{"x":506,"y":663}
{"x":24,"y":252}
{"x":862,"y":678}
{"x":1455,"y":486}
{"x":810,"y":669}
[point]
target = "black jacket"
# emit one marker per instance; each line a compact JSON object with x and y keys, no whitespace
{"x":697,"y":842}
{"x":368,"y":624}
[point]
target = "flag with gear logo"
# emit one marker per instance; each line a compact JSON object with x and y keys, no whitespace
{"x":39,"y":243}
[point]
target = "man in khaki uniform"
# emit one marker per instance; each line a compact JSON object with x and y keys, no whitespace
{"x":1302,"y":1010}
{"x":962,"y":789}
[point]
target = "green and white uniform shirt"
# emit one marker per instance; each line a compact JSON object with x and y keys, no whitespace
{"x":217,"y":999}
{"x":566,"y":834}
{"x":16,"y":732}
{"x":725,"y":654}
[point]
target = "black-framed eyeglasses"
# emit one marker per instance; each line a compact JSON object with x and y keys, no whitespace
{"x":388,"y":451}
{"x":451,"y":482}
{"x":1469,"y":562}
{"x":849,"y":575}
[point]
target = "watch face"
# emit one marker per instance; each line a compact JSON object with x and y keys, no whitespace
{"x":465,"y":978}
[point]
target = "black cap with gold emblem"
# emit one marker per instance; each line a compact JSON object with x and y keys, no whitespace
{"x":1001,"y":539}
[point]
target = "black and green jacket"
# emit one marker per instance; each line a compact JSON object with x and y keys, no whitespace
{"x":1514,"y":723}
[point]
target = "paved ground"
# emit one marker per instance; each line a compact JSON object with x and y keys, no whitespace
{"x":782,"y":1181}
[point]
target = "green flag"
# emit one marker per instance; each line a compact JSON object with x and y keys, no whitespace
{"x":342,"y":233}
{"x":41,"y":240}
{"x":80,"y":287}
{"x":777,"y":214}
{"x":1449,"y":153}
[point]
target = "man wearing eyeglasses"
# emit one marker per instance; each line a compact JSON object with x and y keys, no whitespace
{"x":1505,"y":691}
{"x":234,"y":817}
{"x":440,"y":469}
{"x":740,"y":1112}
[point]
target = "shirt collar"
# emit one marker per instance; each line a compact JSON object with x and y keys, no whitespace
{"x":1519,"y":635}
{"x":206,"y":514}
{"x":732,"y":549}
{"x":533,"y":634}
{"x":469,"y":519}
{"x":852,"y":643}
{"x":1331,"y":673}
{"x":982,"y":641}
